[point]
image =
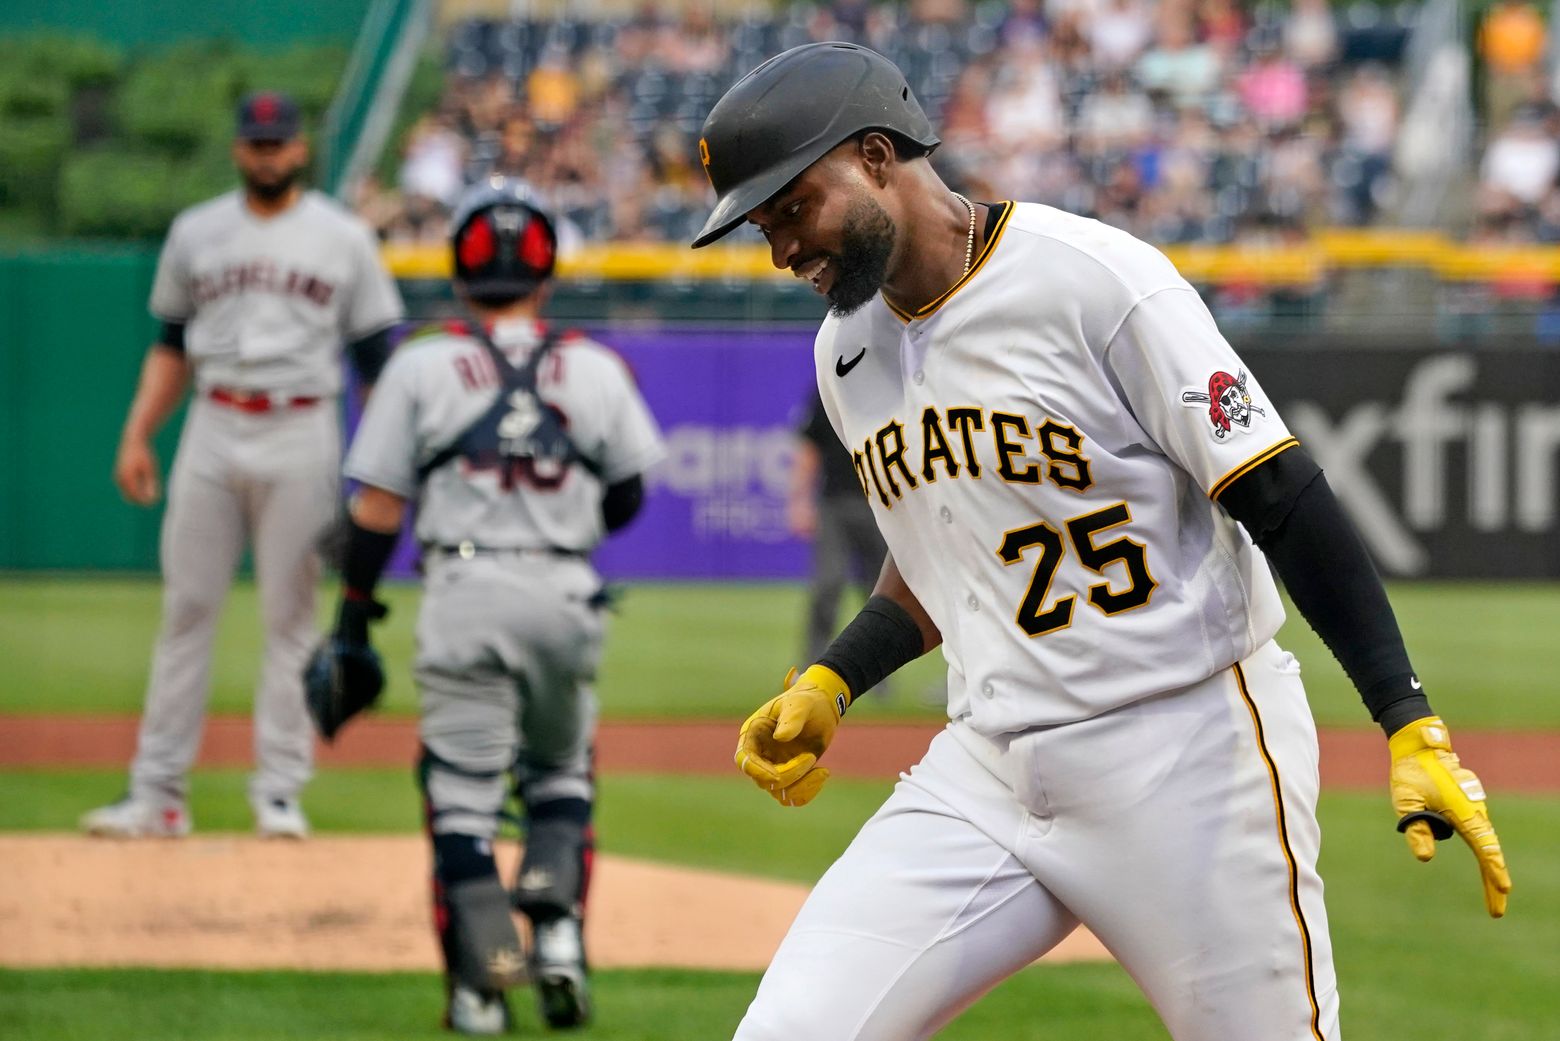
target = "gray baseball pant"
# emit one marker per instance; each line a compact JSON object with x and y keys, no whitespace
{"x":507,"y":649}
{"x":270,"y":481}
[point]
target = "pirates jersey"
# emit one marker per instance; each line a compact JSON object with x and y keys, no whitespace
{"x":1044,"y":446}
{"x":438,"y":384}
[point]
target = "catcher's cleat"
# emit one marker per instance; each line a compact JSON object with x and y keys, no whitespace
{"x":476,"y":1014}
{"x":558,"y":966}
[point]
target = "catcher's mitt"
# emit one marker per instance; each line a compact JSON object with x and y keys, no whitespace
{"x":341,"y":680}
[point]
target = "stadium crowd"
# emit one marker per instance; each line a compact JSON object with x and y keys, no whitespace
{"x":1180,"y":120}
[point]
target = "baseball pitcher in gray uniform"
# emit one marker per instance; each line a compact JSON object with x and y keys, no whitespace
{"x":257,"y":290}
{"x":524,"y":448}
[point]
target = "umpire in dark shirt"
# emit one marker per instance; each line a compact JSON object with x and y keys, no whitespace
{"x":825,"y":505}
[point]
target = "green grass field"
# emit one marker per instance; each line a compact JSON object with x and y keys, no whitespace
{"x":1405,"y":934}
{"x":714,"y":651}
{"x":1071,"y":1001}
{"x":1416,"y":955}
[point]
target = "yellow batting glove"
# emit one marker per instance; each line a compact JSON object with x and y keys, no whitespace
{"x":1434,"y":796}
{"x":780,"y":744}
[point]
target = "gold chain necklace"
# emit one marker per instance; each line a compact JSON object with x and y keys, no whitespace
{"x":969,"y":244}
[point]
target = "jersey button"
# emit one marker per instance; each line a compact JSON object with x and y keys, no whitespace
{"x":973,"y":602}
{"x":919,"y":377}
{"x":946,"y":514}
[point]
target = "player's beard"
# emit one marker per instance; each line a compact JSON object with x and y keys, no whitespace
{"x":274,"y":188}
{"x":867,"y":242}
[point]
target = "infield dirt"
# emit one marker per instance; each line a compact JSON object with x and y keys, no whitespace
{"x":350,"y":903}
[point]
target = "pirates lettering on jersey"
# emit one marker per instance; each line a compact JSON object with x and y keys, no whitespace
{"x":260,"y":276}
{"x":1228,"y":400}
{"x":889,"y":461}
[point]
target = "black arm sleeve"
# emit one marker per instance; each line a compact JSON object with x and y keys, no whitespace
{"x":622,"y":501}
{"x":876,"y":642}
{"x":370,"y":354}
{"x":1291,"y":513}
{"x":172,"y":336}
{"x":364,"y":559}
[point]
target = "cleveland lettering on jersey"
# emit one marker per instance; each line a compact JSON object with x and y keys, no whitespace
{"x":893,"y":462}
{"x":260,"y":276}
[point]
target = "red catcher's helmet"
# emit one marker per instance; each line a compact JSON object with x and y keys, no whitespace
{"x":503,"y":241}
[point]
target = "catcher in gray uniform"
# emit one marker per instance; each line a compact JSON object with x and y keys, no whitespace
{"x":524,"y":448}
{"x":257,"y":290}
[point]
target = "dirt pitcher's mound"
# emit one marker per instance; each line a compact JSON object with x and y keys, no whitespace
{"x":349,"y":903}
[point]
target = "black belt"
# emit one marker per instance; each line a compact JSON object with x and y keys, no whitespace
{"x":468,"y":550}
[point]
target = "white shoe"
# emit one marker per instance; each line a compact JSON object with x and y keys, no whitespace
{"x":471,"y":1013}
{"x":136,"y":818}
{"x":278,"y":818}
{"x":558,"y":966}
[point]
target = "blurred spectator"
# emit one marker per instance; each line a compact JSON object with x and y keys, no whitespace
{"x":1025,"y":108}
{"x":1273,"y":89}
{"x":1224,"y":27}
{"x":1118,"y":32}
{"x":1311,"y":34}
{"x":1296,"y":184}
{"x":1186,"y":71}
{"x":552,"y":92}
{"x":1177,"y":119}
{"x":1023,"y":20}
{"x":378,"y":206}
{"x":435,"y":156}
{"x":1511,"y":45}
{"x":516,"y":155}
{"x":1115,"y":118}
{"x":1368,"y":114}
{"x":1522,"y":160}
{"x":696,"y":45}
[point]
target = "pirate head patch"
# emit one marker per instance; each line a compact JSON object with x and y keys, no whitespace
{"x":1228,"y":403}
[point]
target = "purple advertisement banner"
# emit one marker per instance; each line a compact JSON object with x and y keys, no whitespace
{"x":729,"y":403}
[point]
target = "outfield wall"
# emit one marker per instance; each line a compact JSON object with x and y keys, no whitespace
{"x":1446,"y":456}
{"x":168,"y":21}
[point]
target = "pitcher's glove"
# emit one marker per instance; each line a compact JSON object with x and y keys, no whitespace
{"x":1435,"y":796}
{"x":780,"y":744}
{"x":345,"y":675}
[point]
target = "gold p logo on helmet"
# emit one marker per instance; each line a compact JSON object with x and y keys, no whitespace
{"x":704,"y":154}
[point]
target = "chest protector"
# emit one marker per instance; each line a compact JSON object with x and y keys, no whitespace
{"x":520,"y":436}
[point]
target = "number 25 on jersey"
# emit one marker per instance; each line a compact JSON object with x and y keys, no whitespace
{"x":1034,"y":617}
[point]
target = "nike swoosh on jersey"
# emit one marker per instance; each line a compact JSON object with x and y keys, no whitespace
{"x":843,"y":367}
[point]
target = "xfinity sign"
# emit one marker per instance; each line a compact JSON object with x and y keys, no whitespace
{"x":1446,"y":460}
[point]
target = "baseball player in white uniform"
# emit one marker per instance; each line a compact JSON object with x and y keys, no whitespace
{"x":257,"y":291}
{"x":1074,"y":474}
{"x":524,"y":448}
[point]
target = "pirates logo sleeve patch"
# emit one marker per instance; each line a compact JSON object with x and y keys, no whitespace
{"x":1228,"y":402}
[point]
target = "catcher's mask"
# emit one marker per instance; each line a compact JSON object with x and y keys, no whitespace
{"x":502,"y":241}
{"x":783,"y":116}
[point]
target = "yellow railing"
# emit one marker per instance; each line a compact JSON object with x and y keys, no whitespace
{"x":1327,"y":250}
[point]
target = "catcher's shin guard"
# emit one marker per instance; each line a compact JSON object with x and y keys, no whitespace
{"x":550,"y":889}
{"x":477,"y":933}
{"x":554,"y":873}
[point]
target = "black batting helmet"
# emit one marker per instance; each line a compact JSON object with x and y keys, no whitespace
{"x":783,"y":116}
{"x":503,"y":241}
